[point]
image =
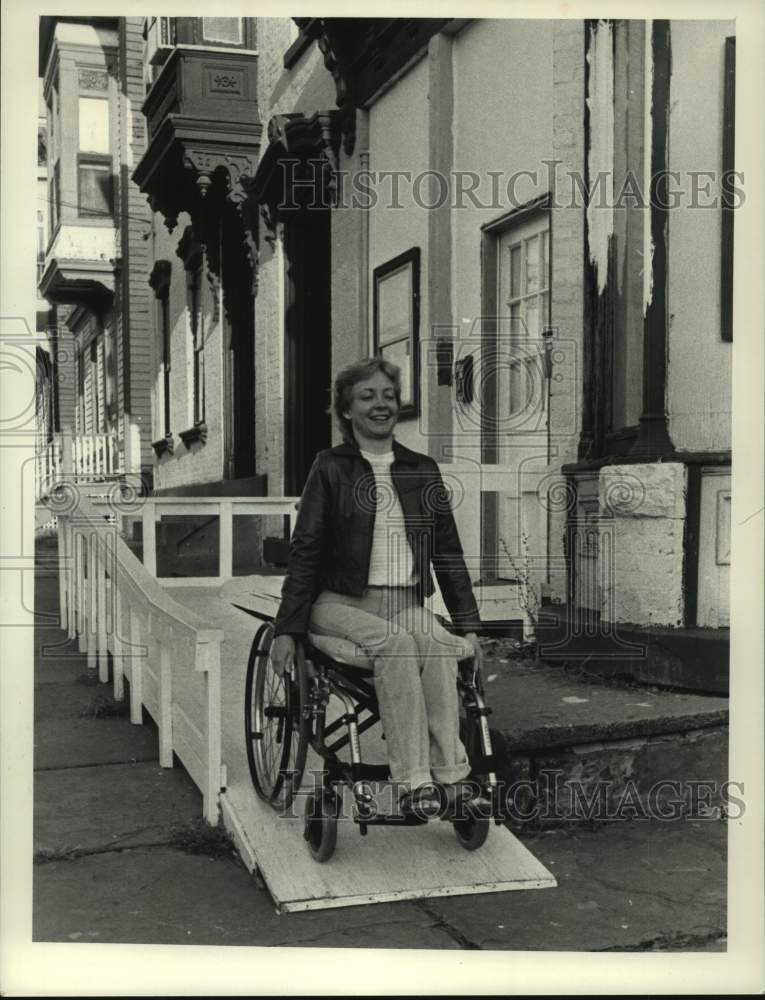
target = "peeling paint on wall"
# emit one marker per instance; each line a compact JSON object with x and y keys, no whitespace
{"x":647,"y":153}
{"x":600,"y":158}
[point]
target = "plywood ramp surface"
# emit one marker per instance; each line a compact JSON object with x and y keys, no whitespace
{"x":393,"y":863}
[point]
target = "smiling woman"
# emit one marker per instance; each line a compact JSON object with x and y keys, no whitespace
{"x":367,"y":533}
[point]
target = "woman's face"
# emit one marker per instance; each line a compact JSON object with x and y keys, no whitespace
{"x":373,"y":411}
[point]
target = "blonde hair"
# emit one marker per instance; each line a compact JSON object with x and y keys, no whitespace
{"x":353,"y":374}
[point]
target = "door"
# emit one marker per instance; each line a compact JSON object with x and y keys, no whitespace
{"x":308,"y":346}
{"x":239,"y":355}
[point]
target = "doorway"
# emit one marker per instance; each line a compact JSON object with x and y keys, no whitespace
{"x":238,"y":356}
{"x":308,"y":344}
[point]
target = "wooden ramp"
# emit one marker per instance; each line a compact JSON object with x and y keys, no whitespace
{"x":389,"y":863}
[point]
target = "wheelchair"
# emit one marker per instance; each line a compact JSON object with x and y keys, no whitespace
{"x":284,"y":715}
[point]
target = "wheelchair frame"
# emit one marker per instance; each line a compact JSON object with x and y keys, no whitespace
{"x":299,"y":711}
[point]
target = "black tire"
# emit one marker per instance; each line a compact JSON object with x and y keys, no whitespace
{"x":321,"y":813}
{"x":276,"y":730}
{"x":471,"y":831}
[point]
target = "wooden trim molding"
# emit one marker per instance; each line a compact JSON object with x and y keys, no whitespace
{"x":728,"y":200}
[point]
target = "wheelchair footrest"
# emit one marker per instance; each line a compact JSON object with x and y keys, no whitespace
{"x":391,"y":820}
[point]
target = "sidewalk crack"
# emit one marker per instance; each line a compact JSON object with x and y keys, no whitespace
{"x":442,"y":924}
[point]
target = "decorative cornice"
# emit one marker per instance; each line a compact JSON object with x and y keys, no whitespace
{"x":196,"y":433}
{"x":189,"y":249}
{"x":163,"y":445}
{"x":159,"y":279}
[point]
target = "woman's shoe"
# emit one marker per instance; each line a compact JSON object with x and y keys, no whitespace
{"x":424,"y":802}
{"x":463,"y":793}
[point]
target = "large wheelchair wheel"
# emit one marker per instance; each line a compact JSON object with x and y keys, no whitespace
{"x":276,"y":729}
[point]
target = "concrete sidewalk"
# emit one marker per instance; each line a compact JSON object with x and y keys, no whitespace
{"x":122,"y":856}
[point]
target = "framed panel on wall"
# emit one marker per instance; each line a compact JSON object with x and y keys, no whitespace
{"x":396,"y":322}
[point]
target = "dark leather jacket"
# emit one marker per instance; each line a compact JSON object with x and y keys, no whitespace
{"x":332,"y":540}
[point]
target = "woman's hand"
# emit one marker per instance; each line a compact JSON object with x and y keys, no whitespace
{"x":475,"y":642}
{"x":282,"y":653}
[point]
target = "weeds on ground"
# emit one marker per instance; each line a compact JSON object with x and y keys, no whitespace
{"x":200,"y":837}
{"x":88,"y":679}
{"x":103,"y":706}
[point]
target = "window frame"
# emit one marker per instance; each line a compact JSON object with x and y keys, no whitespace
{"x":95,"y":159}
{"x":411,"y":258}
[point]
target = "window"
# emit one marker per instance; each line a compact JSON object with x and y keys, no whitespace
{"x":163,"y":310}
{"x":523,"y":299}
{"x":42,"y":145}
{"x":54,"y":198}
{"x":93,"y":120}
{"x":223,"y":30}
{"x":94,"y":186}
{"x":396,"y":322}
{"x":40,"y":244}
{"x":194,"y":300}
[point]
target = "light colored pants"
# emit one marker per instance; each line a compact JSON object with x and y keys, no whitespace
{"x":415,"y":671}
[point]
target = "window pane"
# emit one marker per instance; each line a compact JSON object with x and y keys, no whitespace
{"x":42,"y":146}
{"x":545,"y":258}
{"x":531,"y":309}
{"x":399,"y":354}
{"x":222,"y":29}
{"x":94,"y":125}
{"x":532,"y":264}
{"x":95,"y":189}
{"x":515,"y":271}
{"x":395,"y":305}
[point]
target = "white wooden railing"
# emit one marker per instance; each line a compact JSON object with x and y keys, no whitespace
{"x":225,"y":508}
{"x":78,"y":458}
{"x":169,"y":655}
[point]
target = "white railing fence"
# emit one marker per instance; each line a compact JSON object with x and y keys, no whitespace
{"x":78,"y":458}
{"x":170,"y":656}
{"x":224,"y":508}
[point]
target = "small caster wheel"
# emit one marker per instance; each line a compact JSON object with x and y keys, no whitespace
{"x":471,"y":830}
{"x":320,"y":830}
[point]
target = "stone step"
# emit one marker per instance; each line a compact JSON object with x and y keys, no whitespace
{"x":565,"y":739}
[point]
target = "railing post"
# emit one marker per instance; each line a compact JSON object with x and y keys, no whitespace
{"x":211,"y":793}
{"x":226,"y":536}
{"x":63,"y":569}
{"x":118,"y":667}
{"x":103,"y":659}
{"x":82,"y":600}
{"x":71,"y":580}
{"x":67,"y":457}
{"x":92,"y":599}
{"x":165,"y":702}
{"x":136,"y":668}
{"x":150,"y":537}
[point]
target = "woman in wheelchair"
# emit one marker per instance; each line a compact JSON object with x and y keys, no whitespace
{"x":374,"y":517}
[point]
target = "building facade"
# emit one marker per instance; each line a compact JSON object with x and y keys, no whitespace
{"x":516,"y":213}
{"x":96,"y":251}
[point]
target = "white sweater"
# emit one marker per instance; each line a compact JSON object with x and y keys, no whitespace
{"x":391,"y":563}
